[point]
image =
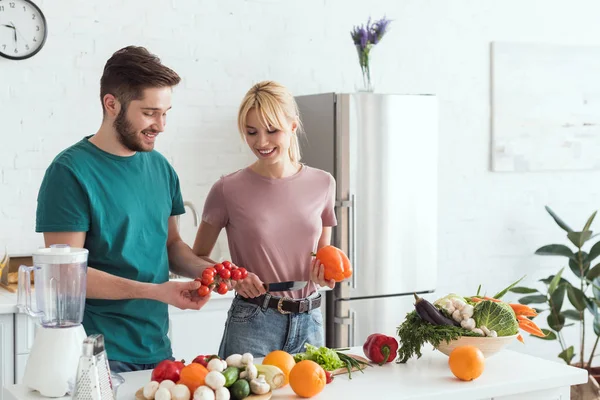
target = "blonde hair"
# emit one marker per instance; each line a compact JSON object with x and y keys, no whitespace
{"x":275,"y":106}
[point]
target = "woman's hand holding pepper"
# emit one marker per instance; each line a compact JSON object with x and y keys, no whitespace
{"x":250,"y":287}
{"x":317,"y":273}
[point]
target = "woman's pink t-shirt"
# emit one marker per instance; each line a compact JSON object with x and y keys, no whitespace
{"x":273,"y":225}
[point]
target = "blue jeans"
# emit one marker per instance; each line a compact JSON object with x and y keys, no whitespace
{"x":250,"y":328}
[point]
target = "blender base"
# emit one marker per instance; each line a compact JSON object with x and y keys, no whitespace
{"x":52,"y":364}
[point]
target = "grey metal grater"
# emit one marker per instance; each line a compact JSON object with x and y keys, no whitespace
{"x":93,"y":373}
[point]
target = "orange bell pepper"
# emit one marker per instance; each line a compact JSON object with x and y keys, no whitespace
{"x":336,"y":263}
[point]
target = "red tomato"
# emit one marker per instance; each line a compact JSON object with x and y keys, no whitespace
{"x":218,"y":267}
{"x":236,"y":274}
{"x":226,"y":264}
{"x":207,"y":280}
{"x":207,"y":273}
{"x":222,"y":288}
{"x":203,"y":291}
{"x":225,"y":274}
{"x":244,"y":272}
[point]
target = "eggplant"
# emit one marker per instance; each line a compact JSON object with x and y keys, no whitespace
{"x":430,"y":313}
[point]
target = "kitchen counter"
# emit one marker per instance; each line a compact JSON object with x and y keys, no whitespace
{"x":8,"y":302}
{"x":508,"y":375}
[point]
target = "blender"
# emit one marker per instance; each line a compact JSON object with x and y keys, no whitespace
{"x":60,"y":277}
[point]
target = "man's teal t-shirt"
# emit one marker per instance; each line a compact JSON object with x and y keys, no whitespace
{"x":124,"y":204}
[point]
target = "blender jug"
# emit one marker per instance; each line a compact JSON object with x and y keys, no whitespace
{"x":60,"y":277}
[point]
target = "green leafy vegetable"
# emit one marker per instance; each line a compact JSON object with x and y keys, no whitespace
{"x":325,"y":357}
{"x":414,"y":333}
{"x":498,"y":317}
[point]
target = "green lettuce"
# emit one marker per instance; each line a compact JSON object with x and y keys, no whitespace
{"x":325,"y":357}
{"x":498,"y":317}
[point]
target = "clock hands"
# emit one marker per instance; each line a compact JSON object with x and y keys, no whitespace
{"x":11,"y":26}
{"x":19,"y":32}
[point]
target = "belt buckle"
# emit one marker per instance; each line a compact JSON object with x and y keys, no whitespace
{"x":280,"y":304}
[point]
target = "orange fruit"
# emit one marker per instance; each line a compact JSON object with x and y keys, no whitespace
{"x":307,"y":378}
{"x":283,"y":360}
{"x":466,"y":362}
{"x":192,"y":376}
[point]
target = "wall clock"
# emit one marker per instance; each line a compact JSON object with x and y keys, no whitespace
{"x":23,"y":29}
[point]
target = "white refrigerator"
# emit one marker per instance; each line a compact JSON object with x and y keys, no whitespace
{"x":382,"y":150}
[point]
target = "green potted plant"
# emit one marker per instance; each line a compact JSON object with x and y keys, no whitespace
{"x":582,"y":293}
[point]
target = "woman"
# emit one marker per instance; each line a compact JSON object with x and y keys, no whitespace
{"x":276,"y":212}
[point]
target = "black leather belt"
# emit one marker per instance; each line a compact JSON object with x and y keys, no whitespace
{"x":285,"y":305}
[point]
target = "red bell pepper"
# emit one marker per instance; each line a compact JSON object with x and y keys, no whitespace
{"x":380,"y":348}
{"x":167,"y":369}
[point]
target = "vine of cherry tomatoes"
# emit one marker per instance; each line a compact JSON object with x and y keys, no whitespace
{"x":217,"y":277}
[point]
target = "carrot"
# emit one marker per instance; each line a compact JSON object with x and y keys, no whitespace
{"x":492,"y":299}
{"x":520,"y":339}
{"x":476,"y":299}
{"x":522,"y":309}
{"x":529,"y":326}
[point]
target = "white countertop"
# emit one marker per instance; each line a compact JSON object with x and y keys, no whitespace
{"x":8,"y":302}
{"x":428,"y":378}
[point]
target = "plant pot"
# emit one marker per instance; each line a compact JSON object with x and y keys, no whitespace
{"x":589,"y":390}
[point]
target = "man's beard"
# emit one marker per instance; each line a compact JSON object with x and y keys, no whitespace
{"x":126,"y":134}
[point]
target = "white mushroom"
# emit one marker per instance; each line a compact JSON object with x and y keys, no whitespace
{"x":150,"y":390}
{"x":215,"y":380}
{"x":456,"y":316}
{"x":162,"y":394}
{"x":215,"y":365}
{"x":259,"y":385}
{"x":204,"y":393}
{"x":222,"y":394}
{"x":167,"y":384}
{"x":468,"y":323}
{"x":234,"y":360}
{"x":493,"y":334}
{"x":458,"y":304}
{"x":467,"y":311}
{"x":479,"y":331}
{"x":250,"y":373}
{"x":485,"y":330}
{"x":247,"y":359}
{"x":180,"y":392}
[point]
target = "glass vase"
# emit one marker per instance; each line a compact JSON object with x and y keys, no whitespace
{"x":364,"y":59}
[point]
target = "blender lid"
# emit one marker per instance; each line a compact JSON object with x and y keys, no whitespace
{"x":60,"y":254}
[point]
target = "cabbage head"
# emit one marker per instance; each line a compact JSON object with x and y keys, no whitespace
{"x":498,"y":317}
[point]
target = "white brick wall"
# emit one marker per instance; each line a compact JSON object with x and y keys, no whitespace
{"x":490,"y":224}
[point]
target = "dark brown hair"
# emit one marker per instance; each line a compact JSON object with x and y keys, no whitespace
{"x":131,"y":70}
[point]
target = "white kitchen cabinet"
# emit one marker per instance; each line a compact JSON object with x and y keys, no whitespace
{"x":20,"y":363}
{"x":25,"y":329}
{"x":198,"y":332}
{"x":7,"y":350}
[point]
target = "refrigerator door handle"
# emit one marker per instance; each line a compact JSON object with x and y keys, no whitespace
{"x":350,"y":204}
{"x":352,"y":240}
{"x":350,"y":321}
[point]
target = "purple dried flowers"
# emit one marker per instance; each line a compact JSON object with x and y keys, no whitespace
{"x":364,"y":38}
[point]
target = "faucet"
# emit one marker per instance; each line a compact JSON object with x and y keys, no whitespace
{"x":194,"y":212}
{"x":191,"y":206}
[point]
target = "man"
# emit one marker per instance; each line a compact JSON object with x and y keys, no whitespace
{"x":114,"y":195}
